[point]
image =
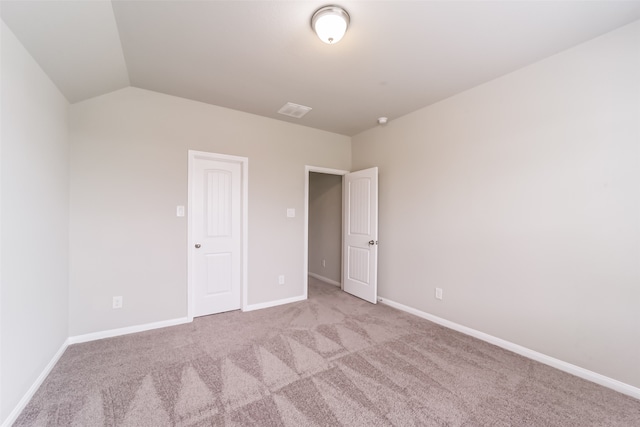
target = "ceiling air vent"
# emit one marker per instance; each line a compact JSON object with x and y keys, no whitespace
{"x":294,"y":110}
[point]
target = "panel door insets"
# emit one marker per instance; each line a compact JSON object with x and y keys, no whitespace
{"x":219,"y":273}
{"x":358,"y":265}
{"x":359,"y":195}
{"x":218,"y":204}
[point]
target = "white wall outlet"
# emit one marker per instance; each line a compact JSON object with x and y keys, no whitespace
{"x":117,"y":302}
{"x":324,"y":263}
{"x":438,"y":293}
{"x":291,"y":213}
{"x":281,"y":279}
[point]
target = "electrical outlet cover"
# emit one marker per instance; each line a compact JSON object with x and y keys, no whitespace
{"x":117,"y":302}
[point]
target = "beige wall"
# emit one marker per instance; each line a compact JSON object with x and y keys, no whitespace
{"x":128,"y":174}
{"x":325,"y":225}
{"x":35,"y":213}
{"x":521,"y":199}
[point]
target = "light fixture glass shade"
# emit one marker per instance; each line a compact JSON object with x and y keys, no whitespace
{"x":330,"y":23}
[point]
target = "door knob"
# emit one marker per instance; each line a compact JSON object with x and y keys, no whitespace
{"x":198,"y":245}
{"x":372,"y":242}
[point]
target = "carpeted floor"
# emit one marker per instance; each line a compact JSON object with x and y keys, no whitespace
{"x":329,"y":361}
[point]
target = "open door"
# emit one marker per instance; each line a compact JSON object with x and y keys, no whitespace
{"x":360,"y":242}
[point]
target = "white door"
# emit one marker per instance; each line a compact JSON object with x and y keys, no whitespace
{"x":216,"y":240}
{"x":360,"y":246}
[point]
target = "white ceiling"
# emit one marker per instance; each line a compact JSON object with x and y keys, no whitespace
{"x":254,"y":56}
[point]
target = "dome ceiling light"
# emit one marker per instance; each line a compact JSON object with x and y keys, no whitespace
{"x":330,"y":23}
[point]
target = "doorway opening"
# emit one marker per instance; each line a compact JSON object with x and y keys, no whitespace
{"x":359,"y":232}
{"x":323,"y":226}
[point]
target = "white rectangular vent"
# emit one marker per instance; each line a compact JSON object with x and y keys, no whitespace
{"x":294,"y":110}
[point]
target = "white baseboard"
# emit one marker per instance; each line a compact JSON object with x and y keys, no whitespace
{"x":251,"y":307}
{"x":13,"y":416}
{"x":586,"y":374}
{"x":128,"y":330}
{"x":325,"y":279}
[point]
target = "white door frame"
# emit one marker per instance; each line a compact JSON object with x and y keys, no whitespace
{"x":307,"y":170}
{"x":244,"y":164}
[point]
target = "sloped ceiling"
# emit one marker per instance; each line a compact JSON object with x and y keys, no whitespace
{"x":255,"y":56}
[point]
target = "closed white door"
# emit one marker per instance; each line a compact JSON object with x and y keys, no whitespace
{"x":216,"y":240}
{"x":360,"y":245}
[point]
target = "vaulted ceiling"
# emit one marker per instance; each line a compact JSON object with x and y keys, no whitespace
{"x":255,"y":56}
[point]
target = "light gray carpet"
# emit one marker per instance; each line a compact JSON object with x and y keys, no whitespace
{"x":332,"y":360}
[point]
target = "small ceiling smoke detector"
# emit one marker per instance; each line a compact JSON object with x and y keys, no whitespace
{"x":382,"y":120}
{"x":294,"y":110}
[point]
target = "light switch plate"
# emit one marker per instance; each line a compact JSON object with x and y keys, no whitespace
{"x":179,"y":210}
{"x":291,"y":213}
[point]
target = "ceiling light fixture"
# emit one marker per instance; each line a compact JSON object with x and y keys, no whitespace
{"x":330,"y":23}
